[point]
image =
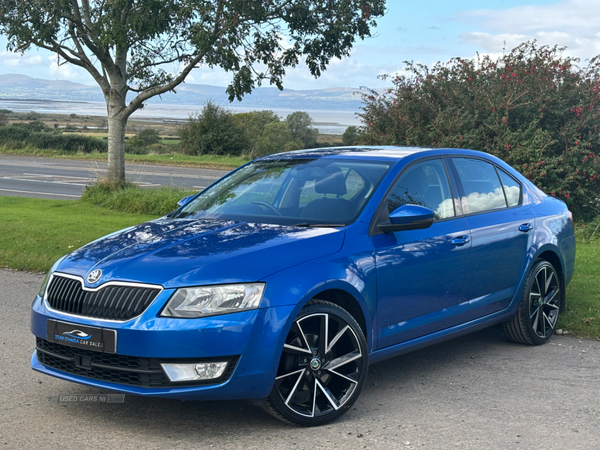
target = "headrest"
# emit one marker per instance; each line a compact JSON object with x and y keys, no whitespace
{"x":330,"y":181}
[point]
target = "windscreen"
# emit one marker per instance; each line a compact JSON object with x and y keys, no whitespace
{"x":291,"y":191}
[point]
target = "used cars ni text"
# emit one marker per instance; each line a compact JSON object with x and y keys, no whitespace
{"x":286,"y":278}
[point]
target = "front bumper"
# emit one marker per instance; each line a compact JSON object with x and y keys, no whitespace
{"x":252,"y":338}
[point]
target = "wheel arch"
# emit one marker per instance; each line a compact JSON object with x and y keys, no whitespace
{"x":347,"y":301}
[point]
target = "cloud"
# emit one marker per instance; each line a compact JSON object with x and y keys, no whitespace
{"x":11,"y":59}
{"x":570,"y":23}
{"x":64,"y":71}
{"x":493,"y":43}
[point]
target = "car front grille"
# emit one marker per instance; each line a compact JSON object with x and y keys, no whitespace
{"x":113,"y":302}
{"x":122,"y":369}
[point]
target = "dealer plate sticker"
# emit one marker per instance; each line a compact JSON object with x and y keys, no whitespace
{"x":80,"y":336}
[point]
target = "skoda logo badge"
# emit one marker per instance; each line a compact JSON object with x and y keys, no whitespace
{"x":94,"y":276}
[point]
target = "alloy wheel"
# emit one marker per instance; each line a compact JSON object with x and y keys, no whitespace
{"x":544,"y":301}
{"x":321,"y":366}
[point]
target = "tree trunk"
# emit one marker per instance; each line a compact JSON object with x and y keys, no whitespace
{"x":117,"y":121}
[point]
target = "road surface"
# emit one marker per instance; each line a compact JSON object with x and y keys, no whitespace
{"x":28,"y":176}
{"x":475,"y":392}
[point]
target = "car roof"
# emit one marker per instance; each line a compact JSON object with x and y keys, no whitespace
{"x":375,"y":153}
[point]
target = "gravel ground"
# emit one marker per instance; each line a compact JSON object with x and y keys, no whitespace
{"x":475,"y":392}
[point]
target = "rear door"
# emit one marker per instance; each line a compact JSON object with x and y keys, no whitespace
{"x":501,"y":232}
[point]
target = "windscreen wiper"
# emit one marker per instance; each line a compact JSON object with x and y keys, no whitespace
{"x":317,"y":225}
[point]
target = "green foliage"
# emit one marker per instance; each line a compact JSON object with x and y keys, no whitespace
{"x":32,"y":115}
{"x":129,"y":198}
{"x":588,"y":231}
{"x":144,"y":142}
{"x":21,"y":135}
{"x":300,"y":124}
{"x":3,"y":119}
{"x":148,"y":136}
{"x":351,"y":135}
{"x":276,"y":137}
{"x":35,"y":126}
{"x":216,"y":131}
{"x":211,"y":132}
{"x":533,"y":107}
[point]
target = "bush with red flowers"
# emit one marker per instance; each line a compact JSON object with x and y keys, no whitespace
{"x":534,"y":107}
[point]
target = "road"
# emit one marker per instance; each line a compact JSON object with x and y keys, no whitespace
{"x":28,"y":176}
{"x":475,"y":392}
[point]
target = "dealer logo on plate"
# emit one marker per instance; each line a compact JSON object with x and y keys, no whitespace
{"x":94,"y":276}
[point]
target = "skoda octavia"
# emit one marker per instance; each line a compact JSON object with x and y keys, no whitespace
{"x":286,"y":278}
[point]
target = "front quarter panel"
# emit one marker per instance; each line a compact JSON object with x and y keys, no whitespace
{"x":352,"y":271}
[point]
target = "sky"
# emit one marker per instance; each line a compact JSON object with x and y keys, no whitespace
{"x":424,"y":31}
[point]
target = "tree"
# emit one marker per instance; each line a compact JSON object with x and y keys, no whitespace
{"x":148,"y":136}
{"x":534,"y":107}
{"x":351,"y":135}
{"x":275,"y":138}
{"x":148,"y":47}
{"x":3,"y":120}
{"x":213,"y":131}
{"x":253,"y":125}
{"x":300,"y":124}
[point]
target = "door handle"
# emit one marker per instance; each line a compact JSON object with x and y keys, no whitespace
{"x":526,"y":227}
{"x":462,"y":240}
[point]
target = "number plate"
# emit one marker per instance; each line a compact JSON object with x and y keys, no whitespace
{"x":80,"y":336}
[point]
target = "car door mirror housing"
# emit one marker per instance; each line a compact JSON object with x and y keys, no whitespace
{"x":185,"y":200}
{"x":408,"y":217}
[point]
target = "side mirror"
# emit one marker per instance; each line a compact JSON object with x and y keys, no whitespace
{"x":408,"y":217}
{"x":185,"y":200}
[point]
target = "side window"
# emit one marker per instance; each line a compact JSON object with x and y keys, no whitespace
{"x":425,"y":184}
{"x":512,"y":188}
{"x":481,"y":184}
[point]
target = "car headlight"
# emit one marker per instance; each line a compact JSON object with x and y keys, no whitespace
{"x":206,"y":301}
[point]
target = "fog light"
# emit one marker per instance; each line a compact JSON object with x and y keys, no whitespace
{"x":194,"y":372}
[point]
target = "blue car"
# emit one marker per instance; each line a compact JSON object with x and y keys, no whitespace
{"x":285,"y":279}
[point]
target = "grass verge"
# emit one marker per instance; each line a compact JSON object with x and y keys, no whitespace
{"x":37,"y":232}
{"x":582,"y":314}
{"x":135,"y":200}
{"x":167,"y":159}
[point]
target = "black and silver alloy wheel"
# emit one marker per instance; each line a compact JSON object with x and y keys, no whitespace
{"x":536,"y":318}
{"x":323,"y":366}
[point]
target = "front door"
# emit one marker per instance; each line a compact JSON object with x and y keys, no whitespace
{"x":422,"y":275}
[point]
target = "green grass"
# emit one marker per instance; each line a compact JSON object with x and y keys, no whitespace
{"x":169,"y":159}
{"x":582,"y":315}
{"x":133,"y":199}
{"x":170,"y":141}
{"x":36,"y":232}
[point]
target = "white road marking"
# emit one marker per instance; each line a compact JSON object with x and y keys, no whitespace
{"x":39,"y":193}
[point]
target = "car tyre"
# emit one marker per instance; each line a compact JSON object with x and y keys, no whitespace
{"x":322,"y":369}
{"x":538,"y":311}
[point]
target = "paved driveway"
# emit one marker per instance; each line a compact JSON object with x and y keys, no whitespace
{"x":475,"y":392}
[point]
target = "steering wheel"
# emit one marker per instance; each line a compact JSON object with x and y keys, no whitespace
{"x":266,"y":205}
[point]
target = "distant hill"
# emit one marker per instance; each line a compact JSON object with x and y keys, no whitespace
{"x":336,"y":99}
